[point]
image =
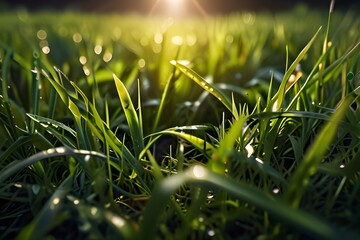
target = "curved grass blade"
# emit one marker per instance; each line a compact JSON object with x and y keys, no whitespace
{"x":131,"y":116}
{"x":46,"y":122}
{"x":304,"y":114}
{"x":279,"y":96}
{"x":200,"y":144}
{"x":199,"y":175}
{"x":211,"y":88}
{"x":17,"y":166}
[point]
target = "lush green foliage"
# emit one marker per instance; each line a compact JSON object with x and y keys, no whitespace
{"x":133,"y":127}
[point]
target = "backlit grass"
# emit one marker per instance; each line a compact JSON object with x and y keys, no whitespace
{"x":241,"y":126}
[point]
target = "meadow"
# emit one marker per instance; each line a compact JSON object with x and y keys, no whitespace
{"x":244,"y":126}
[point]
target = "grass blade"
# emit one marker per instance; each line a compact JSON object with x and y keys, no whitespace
{"x":204,"y":84}
{"x":300,"y":220}
{"x":278,"y":98}
{"x":17,"y":166}
{"x":131,"y":116}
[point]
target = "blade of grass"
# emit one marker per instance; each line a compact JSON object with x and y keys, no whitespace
{"x":202,"y":145}
{"x":131,"y":116}
{"x":164,"y":97}
{"x":211,"y":88}
{"x":200,"y":176}
{"x":220,"y":156}
{"x":17,"y":166}
{"x":277,"y":100}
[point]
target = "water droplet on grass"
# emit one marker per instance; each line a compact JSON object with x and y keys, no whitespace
{"x":118,"y":221}
{"x":210,"y":195}
{"x":83,"y":60}
{"x":56,"y":201}
{"x":199,"y":172}
{"x":93,"y":211}
{"x":107,"y":57}
{"x":276,"y":190}
{"x":98,"y":49}
{"x":211,"y":233}
{"x":51,"y":151}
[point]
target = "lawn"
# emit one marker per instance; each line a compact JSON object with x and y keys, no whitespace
{"x":242,"y":126}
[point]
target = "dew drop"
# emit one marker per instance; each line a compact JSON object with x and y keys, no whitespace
{"x":86,"y":70}
{"x":98,"y":49}
{"x":83,"y":60}
{"x":56,"y":201}
{"x":45,"y":50}
{"x":107,"y":57}
{"x":199,"y":172}
{"x":211,"y":233}
{"x":210,"y":195}
{"x":93,"y":211}
{"x":118,"y":221}
{"x":276,"y":190}
{"x":142,"y":63}
{"x":60,"y":150}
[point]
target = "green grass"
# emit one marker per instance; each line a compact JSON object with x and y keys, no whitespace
{"x":124,"y":127}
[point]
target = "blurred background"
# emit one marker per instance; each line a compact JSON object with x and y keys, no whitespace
{"x":189,"y":7}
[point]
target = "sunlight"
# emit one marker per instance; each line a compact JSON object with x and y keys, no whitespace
{"x":177,"y":7}
{"x":175,"y":3}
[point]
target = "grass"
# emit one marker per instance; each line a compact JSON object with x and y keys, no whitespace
{"x":156,"y":128}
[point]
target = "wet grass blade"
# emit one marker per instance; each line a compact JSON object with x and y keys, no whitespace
{"x":131,"y":116}
{"x":211,"y":88}
{"x":200,"y":144}
{"x":17,"y":166}
{"x":279,"y":96}
{"x":200,"y":176}
{"x":219,"y":159}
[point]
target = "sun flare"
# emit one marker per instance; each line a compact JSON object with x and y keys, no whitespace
{"x":175,"y":1}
